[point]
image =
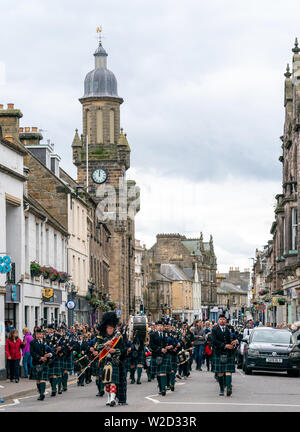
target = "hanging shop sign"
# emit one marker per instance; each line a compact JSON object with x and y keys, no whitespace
{"x":5,"y":266}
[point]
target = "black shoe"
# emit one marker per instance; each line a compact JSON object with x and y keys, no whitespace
{"x":113,"y":403}
{"x":172,"y":388}
{"x":100,"y":393}
{"x":163,"y":393}
{"x":132,"y":381}
{"x":149,"y":379}
{"x":168,"y":388}
{"x":17,"y":381}
{"x":53,"y":394}
{"x":229,"y":391}
{"x":178,"y":376}
{"x":82,"y":384}
{"x":59,"y":392}
{"x":41,"y":397}
{"x":138,"y":382}
{"x":65,"y":389}
{"x":123,"y":403}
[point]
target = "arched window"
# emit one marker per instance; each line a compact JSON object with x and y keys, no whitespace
{"x":112,"y":126}
{"x":99,"y":122}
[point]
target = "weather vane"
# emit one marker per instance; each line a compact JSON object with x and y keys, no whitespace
{"x":99,"y":34}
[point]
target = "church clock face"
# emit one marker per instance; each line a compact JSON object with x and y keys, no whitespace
{"x":99,"y":175}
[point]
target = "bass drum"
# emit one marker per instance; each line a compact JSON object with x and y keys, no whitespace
{"x":138,"y":328}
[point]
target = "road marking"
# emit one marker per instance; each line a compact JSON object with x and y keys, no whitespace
{"x":1,"y":386}
{"x":16,"y":402}
{"x":220,"y":403}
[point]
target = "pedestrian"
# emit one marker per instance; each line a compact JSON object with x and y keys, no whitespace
{"x":223,"y":363}
{"x":27,"y":359}
{"x":208,"y":350}
{"x":199,"y":343}
{"x":13,"y":354}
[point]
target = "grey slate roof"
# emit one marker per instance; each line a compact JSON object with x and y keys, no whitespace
{"x":173,"y":272}
{"x":229,"y":288}
{"x":189,"y":272}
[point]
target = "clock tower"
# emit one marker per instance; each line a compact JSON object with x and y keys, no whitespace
{"x":102,"y":157}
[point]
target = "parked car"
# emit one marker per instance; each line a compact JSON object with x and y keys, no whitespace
{"x":272,"y":349}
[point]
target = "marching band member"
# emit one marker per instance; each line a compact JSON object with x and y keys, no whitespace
{"x":111,"y":349}
{"x":158,"y":346}
{"x":40,"y":370}
{"x":223,"y":362}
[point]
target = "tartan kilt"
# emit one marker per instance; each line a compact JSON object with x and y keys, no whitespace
{"x":56,"y":367}
{"x":168,"y":363}
{"x":115,"y":379}
{"x":95,"y":369}
{"x":43,"y":376}
{"x":163,"y":368}
{"x":219,"y":367}
{"x":140,"y":359}
{"x":174,"y":363}
{"x":68,"y":363}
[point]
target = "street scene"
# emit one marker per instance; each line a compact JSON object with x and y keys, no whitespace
{"x":149,"y":256}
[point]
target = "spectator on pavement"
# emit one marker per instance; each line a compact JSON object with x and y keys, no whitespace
{"x":13,"y":353}
{"x":27,"y":359}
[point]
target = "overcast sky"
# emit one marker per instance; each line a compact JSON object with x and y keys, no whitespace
{"x":202,"y":84}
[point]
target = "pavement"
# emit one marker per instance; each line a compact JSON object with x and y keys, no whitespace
{"x":260,"y":392}
{"x":12,"y":390}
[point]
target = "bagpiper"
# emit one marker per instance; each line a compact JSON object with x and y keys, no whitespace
{"x":40,"y":369}
{"x":158,"y":345}
{"x":223,"y":361}
{"x":111,"y":349}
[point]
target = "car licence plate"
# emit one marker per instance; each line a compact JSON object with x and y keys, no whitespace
{"x":274,"y":360}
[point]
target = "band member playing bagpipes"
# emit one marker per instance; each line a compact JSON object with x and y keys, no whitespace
{"x":68,"y":360}
{"x":173,"y":341}
{"x":111,"y":348}
{"x":81,"y":360}
{"x":55,"y":363}
{"x":40,"y":370}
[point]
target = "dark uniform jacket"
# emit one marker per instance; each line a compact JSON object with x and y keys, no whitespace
{"x":220,"y":339}
{"x":38,"y":350}
{"x":156,"y":343}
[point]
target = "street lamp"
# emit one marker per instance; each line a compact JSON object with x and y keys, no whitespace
{"x":71,"y":289}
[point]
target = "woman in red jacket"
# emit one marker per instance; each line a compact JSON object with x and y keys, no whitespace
{"x":13,"y":353}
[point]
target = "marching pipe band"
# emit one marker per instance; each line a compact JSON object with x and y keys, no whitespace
{"x":113,"y":351}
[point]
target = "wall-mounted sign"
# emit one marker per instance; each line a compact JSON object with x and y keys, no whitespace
{"x":12,"y":293}
{"x":48,"y":293}
{"x":5,"y":266}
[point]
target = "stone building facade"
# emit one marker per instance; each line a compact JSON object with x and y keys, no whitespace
{"x":189,"y":254}
{"x":283,"y":258}
{"x":103,"y":150}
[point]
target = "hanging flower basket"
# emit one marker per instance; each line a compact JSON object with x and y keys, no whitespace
{"x":35,"y":269}
{"x":45,"y":272}
{"x":263,"y":292}
{"x":63,"y":277}
{"x":279,"y":292}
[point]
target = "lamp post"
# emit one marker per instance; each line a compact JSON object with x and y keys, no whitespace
{"x":71,"y":296}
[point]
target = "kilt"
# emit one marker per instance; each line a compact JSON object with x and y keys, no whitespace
{"x":115,"y":379}
{"x":174,"y":361}
{"x":68,"y":363}
{"x":56,"y":367}
{"x":95,"y":369}
{"x":43,"y":376}
{"x":168,"y":363}
{"x":138,"y":359}
{"x":163,"y":368}
{"x":219,"y":367}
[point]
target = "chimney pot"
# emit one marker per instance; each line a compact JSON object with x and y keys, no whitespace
{"x":34,"y":129}
{"x":9,"y":138}
{"x":27,"y":129}
{"x":1,"y":106}
{"x":21,"y":130}
{"x":10,"y":106}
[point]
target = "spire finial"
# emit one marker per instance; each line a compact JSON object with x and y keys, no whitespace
{"x":287,"y":73}
{"x":296,"y":50}
{"x":99,"y":34}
